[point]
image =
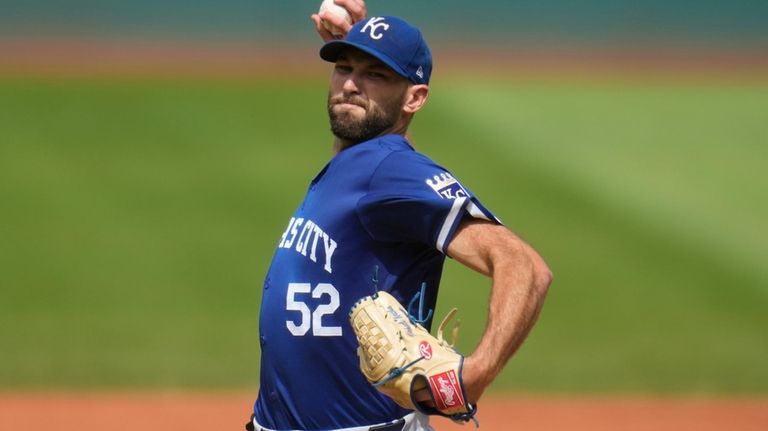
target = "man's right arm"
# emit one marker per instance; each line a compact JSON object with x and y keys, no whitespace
{"x":357,"y":11}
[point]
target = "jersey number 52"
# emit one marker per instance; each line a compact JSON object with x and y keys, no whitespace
{"x":312,"y":319}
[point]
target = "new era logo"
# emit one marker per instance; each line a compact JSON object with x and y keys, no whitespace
{"x":420,"y":72}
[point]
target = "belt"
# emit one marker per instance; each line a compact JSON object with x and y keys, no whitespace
{"x":397,"y":425}
{"x":394,"y":426}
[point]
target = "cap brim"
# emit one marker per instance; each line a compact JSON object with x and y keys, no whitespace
{"x":331,"y":50}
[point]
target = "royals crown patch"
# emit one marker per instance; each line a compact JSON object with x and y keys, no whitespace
{"x":446,"y":186}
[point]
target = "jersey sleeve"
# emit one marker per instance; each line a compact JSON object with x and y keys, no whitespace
{"x":412,"y":199}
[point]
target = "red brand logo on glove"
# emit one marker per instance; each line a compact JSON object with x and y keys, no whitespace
{"x":425,"y":349}
{"x":447,"y":389}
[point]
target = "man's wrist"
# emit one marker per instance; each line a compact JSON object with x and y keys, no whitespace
{"x":475,"y":378}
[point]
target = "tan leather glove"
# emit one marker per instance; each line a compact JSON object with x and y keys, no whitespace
{"x":400,"y":357}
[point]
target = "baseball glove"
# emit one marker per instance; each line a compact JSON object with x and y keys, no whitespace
{"x":400,"y":357}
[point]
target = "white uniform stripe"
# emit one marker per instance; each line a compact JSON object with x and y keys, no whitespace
{"x":476,"y":212}
{"x":458,"y":204}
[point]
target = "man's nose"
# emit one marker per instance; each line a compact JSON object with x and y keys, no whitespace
{"x":350,"y":86}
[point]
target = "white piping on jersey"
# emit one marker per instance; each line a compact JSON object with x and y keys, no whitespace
{"x":476,"y":212}
{"x":458,"y":204}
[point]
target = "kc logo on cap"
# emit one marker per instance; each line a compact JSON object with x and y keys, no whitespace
{"x":376,"y":26}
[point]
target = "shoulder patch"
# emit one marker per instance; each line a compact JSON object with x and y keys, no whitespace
{"x":446,"y":186}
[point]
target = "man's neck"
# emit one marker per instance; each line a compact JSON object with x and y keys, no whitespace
{"x":340,"y":145}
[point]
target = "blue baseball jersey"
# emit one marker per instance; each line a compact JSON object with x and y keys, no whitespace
{"x":378,"y":204}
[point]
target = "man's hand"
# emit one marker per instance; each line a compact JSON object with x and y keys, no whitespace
{"x":357,"y":11}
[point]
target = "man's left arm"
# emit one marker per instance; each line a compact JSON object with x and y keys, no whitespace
{"x":520,"y":283}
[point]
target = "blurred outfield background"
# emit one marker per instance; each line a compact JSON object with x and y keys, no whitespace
{"x":626,"y":140}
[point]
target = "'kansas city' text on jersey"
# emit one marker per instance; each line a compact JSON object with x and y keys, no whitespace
{"x":376,"y":204}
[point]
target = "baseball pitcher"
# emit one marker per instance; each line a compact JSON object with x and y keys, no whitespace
{"x":346,"y":315}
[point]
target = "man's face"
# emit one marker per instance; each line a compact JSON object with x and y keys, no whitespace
{"x":366,"y":97}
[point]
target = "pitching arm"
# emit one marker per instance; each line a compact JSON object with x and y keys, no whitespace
{"x":356,"y":9}
{"x":520,"y":283}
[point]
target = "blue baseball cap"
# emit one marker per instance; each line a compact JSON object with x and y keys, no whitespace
{"x":393,"y":41}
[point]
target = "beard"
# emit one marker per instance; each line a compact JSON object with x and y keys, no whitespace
{"x":378,"y":118}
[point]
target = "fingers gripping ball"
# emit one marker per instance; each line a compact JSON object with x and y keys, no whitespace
{"x":401,"y":357}
{"x":332,"y":8}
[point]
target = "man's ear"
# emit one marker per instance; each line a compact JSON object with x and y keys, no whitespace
{"x":415,"y":98}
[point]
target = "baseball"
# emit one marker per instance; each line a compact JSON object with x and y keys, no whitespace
{"x":332,"y":8}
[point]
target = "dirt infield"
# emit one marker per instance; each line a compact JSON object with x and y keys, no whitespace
{"x":227,"y":411}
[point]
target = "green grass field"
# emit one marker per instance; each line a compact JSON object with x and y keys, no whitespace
{"x":137,"y":218}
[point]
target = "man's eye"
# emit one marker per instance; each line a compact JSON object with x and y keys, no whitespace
{"x":343,"y":69}
{"x":376,"y":75}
